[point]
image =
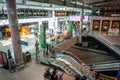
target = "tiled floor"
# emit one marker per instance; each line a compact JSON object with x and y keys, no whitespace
{"x":31,"y":71}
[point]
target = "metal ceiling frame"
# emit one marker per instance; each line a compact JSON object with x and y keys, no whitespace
{"x":67,"y":3}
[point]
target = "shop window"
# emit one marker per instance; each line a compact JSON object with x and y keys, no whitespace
{"x":2,"y":33}
{"x":96,"y":25}
{"x":116,"y":24}
{"x":8,"y":34}
{"x":105,"y":25}
{"x":24,"y":30}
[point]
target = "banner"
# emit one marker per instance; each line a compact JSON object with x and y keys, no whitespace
{"x":42,"y":36}
{"x":70,"y":27}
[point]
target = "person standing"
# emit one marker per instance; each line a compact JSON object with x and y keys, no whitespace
{"x":54,"y":75}
{"x":37,"y":46}
{"x":37,"y":49}
{"x":11,"y":64}
{"x":9,"y":53}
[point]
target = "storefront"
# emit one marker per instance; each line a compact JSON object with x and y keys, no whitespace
{"x":3,"y":60}
{"x":107,"y":25}
{"x":96,"y":25}
{"x":2,"y":32}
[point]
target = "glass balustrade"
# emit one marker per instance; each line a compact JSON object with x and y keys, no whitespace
{"x":104,"y":41}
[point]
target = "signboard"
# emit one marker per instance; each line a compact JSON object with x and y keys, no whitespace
{"x":22,"y":42}
{"x":77,"y":18}
{"x":42,"y":36}
{"x":70,"y":27}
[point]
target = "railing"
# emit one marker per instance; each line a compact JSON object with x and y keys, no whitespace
{"x":64,"y":67}
{"x":77,"y":64}
{"x":107,"y":62}
{"x":61,"y":65}
{"x":106,"y":42}
{"x":85,"y":71}
{"x":70,"y":54}
{"x":107,"y":66}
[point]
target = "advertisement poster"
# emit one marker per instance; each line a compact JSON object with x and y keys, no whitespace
{"x":70,"y":27}
{"x":42,"y":36}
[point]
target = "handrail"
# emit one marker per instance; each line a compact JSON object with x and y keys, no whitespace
{"x":104,"y":77}
{"x":61,"y":65}
{"x":107,"y":43}
{"x":107,"y":62}
{"x":106,"y":67}
{"x":69,"y":53}
{"x":85,"y":71}
{"x":89,"y":72}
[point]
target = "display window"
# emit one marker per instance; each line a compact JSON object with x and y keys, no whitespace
{"x":8,"y":35}
{"x":24,"y":30}
{"x":115,"y":24}
{"x":96,"y":25}
{"x":2,"y":33}
{"x":105,"y":25}
{"x":62,"y":25}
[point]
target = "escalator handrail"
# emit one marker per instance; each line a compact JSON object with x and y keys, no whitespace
{"x":108,"y":62}
{"x":80,"y":71}
{"x":69,"y":53}
{"x":71,"y":68}
{"x":86,"y":72}
{"x":60,"y":65}
{"x":107,"y":43}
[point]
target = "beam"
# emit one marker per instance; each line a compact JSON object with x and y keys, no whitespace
{"x":61,"y":3}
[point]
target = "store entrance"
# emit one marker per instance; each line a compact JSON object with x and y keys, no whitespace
{"x":3,"y":60}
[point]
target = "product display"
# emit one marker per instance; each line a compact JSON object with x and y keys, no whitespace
{"x":66,"y":34}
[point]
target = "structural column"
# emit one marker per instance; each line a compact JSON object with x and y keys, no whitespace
{"x":110,"y":24}
{"x":13,"y":24}
{"x":100,"y":26}
{"x":81,"y":18}
{"x":55,"y":21}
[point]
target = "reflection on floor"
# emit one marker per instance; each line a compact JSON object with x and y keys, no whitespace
{"x":31,"y":71}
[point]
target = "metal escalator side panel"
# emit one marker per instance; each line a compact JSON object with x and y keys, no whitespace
{"x":104,"y":47}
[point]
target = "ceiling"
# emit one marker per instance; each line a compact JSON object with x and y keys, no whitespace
{"x":101,"y":3}
{"x":94,"y":3}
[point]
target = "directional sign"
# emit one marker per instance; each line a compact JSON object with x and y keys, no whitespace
{"x":22,"y":42}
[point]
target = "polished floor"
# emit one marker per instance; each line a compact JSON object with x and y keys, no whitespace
{"x":31,"y":71}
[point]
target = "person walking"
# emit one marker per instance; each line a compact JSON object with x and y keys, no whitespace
{"x":37,"y":49}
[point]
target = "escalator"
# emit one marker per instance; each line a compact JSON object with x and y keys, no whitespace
{"x":103,"y":44}
{"x":71,"y":62}
{"x":59,"y":65}
{"x":107,"y":66}
{"x":68,"y":64}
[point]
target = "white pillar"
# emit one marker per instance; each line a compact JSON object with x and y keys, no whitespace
{"x":100,"y":26}
{"x":110,"y":24}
